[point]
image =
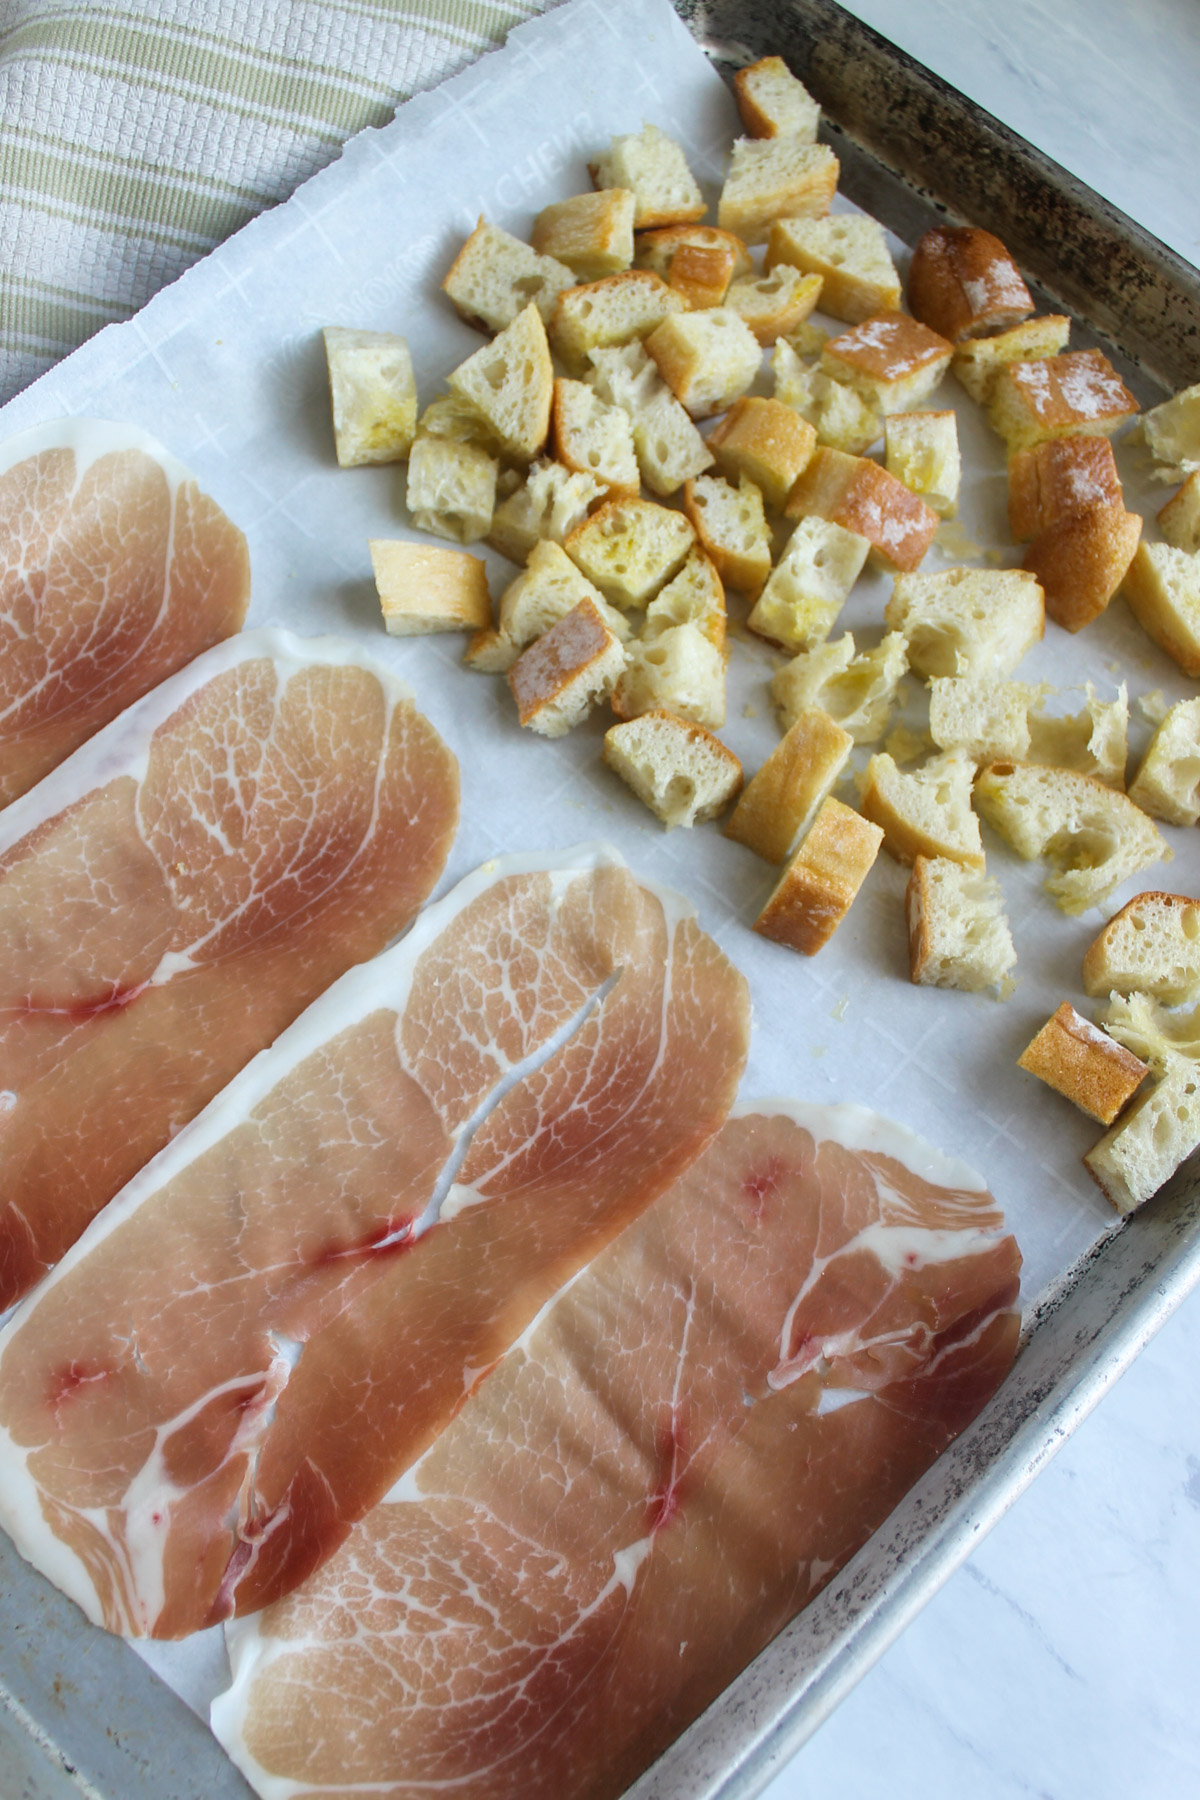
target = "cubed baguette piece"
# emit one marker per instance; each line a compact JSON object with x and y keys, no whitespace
{"x":695,"y":596}
{"x":849,"y":252}
{"x":654,"y":168}
{"x":679,"y":770}
{"x":1054,"y":479}
{"x":678,"y":664}
{"x":561,"y":676}
{"x":820,"y":884}
{"x":660,"y":251}
{"x":731,"y":525}
{"x":967,"y":621}
{"x":1081,"y":561}
{"x":927,"y":812}
{"x":707,"y":359}
{"x":1084,"y":1064}
{"x":510,"y":383}
{"x":775,"y":178}
{"x":842,"y":419}
{"x":630,"y":549}
{"x":1093,"y":836}
{"x":809,"y":585}
{"x":550,"y":502}
{"x":958,"y":935}
{"x":921,"y":450}
{"x":1167,"y":785}
{"x":594,"y":437}
{"x":775,"y":303}
{"x":855,"y":493}
{"x":1179,"y":519}
{"x":963,"y":283}
{"x":1077,"y":393}
{"x":1172,"y":434}
{"x":373,"y":395}
{"x":858,"y":691}
{"x":669,"y":449}
{"x":765,"y":441}
{"x":779,"y":801}
{"x":1146,"y":1146}
{"x":495,"y":276}
{"x":773,"y":103}
{"x":450,"y":416}
{"x":977,"y":713}
{"x":892,"y":360}
{"x":591,"y":234}
{"x":978,"y":362}
{"x":546,"y":590}
{"x":422,"y":588}
{"x":1152,"y":946}
{"x":1162,"y":586}
{"x":616,"y":310}
{"x":451,"y":488}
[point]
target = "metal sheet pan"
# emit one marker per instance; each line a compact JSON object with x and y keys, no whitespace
{"x":80,"y":1714}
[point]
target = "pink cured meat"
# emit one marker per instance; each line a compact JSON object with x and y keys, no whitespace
{"x":116,"y":569}
{"x":335,"y":1253}
{"x":692,"y":1440}
{"x":176,"y":892}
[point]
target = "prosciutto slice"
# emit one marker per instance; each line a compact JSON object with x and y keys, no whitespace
{"x":177,"y":892}
{"x":672,"y":1462}
{"x":283,"y":1311}
{"x":116,"y":569}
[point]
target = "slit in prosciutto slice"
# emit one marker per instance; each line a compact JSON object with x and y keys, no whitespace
{"x":284,"y":1309}
{"x":688,"y":1444}
{"x":116,"y":569}
{"x":177,"y":892}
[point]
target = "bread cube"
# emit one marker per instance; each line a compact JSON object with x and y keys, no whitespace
{"x":1152,"y":946}
{"x":693,"y":597}
{"x":593,"y":437}
{"x":732,"y":527}
{"x":679,"y":770}
{"x":809,"y":584}
{"x":958,"y":936}
{"x":1179,"y":519}
{"x":773,"y":103}
{"x":1082,"y":559}
{"x":1077,"y":393}
{"x":819,"y":885}
{"x":891,"y":360}
{"x":616,"y":310}
{"x":592,"y":234}
{"x":450,"y":416}
{"x":546,"y":590}
{"x":1146,"y":1145}
{"x":774,"y":303}
{"x":979,"y":362}
{"x":849,"y":252}
{"x":561,"y":676}
{"x":495,"y":276}
{"x":985,"y":717}
{"x":549,"y":503}
{"x":423,"y":589}
{"x":962,"y":283}
{"x":858,"y":495}
{"x":654,"y":168}
{"x":1084,"y":1064}
{"x":778,"y":802}
{"x":926,"y":812}
{"x":630,"y":549}
{"x":775,"y":178}
{"x":373,"y":395}
{"x":967,"y":621}
{"x":1172,"y":434}
{"x":767,"y":443}
{"x":1093,"y":836}
{"x":1060,"y":476}
{"x":1162,"y":586}
{"x":857,"y":691}
{"x":699,"y":260}
{"x":842,"y":419}
{"x":1092,"y":741}
{"x":680,"y":670}
{"x":451,"y":488}
{"x":707,"y":359}
{"x":669,"y":449}
{"x":510,"y":383}
{"x":1167,"y":785}
{"x":921,"y":450}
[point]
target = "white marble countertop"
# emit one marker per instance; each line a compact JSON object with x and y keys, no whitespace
{"x":1061,"y":1660}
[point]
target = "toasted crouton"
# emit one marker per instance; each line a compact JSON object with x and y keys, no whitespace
{"x":849,"y":252}
{"x":1172,"y":434}
{"x":1168,"y":783}
{"x":1162,"y":586}
{"x":373,"y":394}
{"x":1051,"y":480}
{"x":819,"y":885}
{"x":778,"y":802}
{"x":495,"y":276}
{"x":1179,"y":519}
{"x":510,"y":383}
{"x":561,"y":676}
{"x":732,"y":527}
{"x":654,"y":168}
{"x":1081,"y":561}
{"x":631,"y":549}
{"x":696,"y":259}
{"x":921,"y":450}
{"x":549,"y":503}
{"x":707,"y":359}
{"x":1077,"y":393}
{"x":591,"y":233}
{"x":857,"y":691}
{"x":766,"y":442}
{"x":958,"y":936}
{"x":1152,"y":946}
{"x":1148,"y":1143}
{"x":809,"y":584}
{"x":616,"y":310}
{"x":773,"y":103}
{"x":775,"y":303}
{"x":842,"y":419}
{"x":962,"y":283}
{"x":546,"y":590}
{"x":1093,"y":836}
{"x":857,"y":494}
{"x":927,"y":812}
{"x":593,"y":437}
{"x":979,"y":362}
{"x":775,"y":178}
{"x":893,"y":361}
{"x":451,"y":488}
{"x":1084,"y":1064}
{"x":679,"y":770}
{"x":669,"y":449}
{"x":423,"y":589}
{"x":967,"y":621}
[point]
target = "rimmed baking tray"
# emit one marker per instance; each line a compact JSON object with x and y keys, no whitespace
{"x":81,"y":1714}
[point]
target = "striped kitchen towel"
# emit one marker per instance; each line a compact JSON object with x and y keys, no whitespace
{"x":135,"y":137}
